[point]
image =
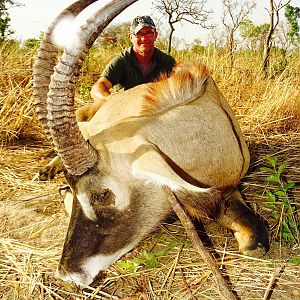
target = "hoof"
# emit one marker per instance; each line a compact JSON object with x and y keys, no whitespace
{"x":51,"y":169}
{"x":66,"y":194}
{"x":258,"y":252}
{"x":253,"y":243}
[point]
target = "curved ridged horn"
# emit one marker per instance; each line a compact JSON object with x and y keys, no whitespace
{"x":45,"y":61}
{"x":76,"y":153}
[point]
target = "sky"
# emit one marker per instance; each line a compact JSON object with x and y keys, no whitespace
{"x":35,"y":16}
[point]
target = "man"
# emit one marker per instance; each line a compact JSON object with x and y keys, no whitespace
{"x":141,"y":63}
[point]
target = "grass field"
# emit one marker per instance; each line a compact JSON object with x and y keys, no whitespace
{"x":165,"y":266}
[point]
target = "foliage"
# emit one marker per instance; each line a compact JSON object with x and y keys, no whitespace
{"x":4,"y":18}
{"x":274,"y":9}
{"x":4,"y":25}
{"x":31,"y":44}
{"x":254,"y":34}
{"x":115,"y":35}
{"x":145,"y":258}
{"x":279,"y":202}
{"x":292,"y":15}
{"x":234,"y":12}
{"x":197,"y":47}
{"x":84,"y":92}
{"x":295,"y":260}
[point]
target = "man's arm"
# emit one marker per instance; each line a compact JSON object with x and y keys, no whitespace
{"x":101,"y":88}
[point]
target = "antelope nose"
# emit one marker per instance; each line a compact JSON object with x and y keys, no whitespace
{"x":82,"y":280}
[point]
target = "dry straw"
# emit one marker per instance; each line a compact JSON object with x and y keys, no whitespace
{"x":34,"y":222}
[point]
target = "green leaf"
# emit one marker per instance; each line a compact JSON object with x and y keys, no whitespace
{"x":280,"y":193}
{"x":128,"y":265}
{"x":295,"y":260}
{"x":150,"y":259}
{"x":146,"y":255}
{"x":285,"y":226}
{"x":271,"y":196}
{"x":172,"y":245}
{"x":273,"y":178}
{"x":270,"y":205}
{"x":292,"y":209}
{"x":281,"y":168}
{"x":286,"y":202}
{"x":138,"y":261}
{"x":276,"y":214}
{"x":271,"y":160}
{"x":293,"y":225}
{"x":288,"y":236}
{"x":168,"y":247}
{"x":266,"y":169}
{"x":289,"y":185}
{"x":151,"y":263}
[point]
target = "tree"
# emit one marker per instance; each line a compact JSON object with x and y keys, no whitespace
{"x":282,"y":44}
{"x":273,"y":11}
{"x":292,"y":15}
{"x":191,"y":11}
{"x":31,"y":44}
{"x":255,"y":35}
{"x":115,"y":34}
{"x":197,"y":47}
{"x":234,"y":13}
{"x":216,"y":39}
{"x":4,"y":18}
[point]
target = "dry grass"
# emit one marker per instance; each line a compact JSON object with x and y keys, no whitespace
{"x":17,"y":116}
{"x":34,"y":221}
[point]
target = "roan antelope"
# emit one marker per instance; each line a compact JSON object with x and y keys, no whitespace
{"x":178,"y":133}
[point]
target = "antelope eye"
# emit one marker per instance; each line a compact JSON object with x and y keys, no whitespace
{"x":104,"y":198}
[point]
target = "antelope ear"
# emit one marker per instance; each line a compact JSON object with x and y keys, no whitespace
{"x":149,"y":165}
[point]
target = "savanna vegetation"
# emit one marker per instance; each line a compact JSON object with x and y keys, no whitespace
{"x":165,"y":266}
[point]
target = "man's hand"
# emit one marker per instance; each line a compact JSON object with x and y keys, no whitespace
{"x":101,"y":89}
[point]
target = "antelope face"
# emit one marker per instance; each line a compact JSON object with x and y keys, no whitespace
{"x":109,"y":217}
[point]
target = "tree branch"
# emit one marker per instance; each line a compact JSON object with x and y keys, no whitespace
{"x":223,"y":287}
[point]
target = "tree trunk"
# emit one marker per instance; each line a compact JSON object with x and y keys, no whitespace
{"x":268,"y":41}
{"x":231,"y":49}
{"x":170,"y":39}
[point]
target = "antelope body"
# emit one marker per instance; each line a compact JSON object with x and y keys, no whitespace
{"x":178,"y":133}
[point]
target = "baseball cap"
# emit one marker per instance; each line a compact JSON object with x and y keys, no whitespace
{"x":140,"y":22}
